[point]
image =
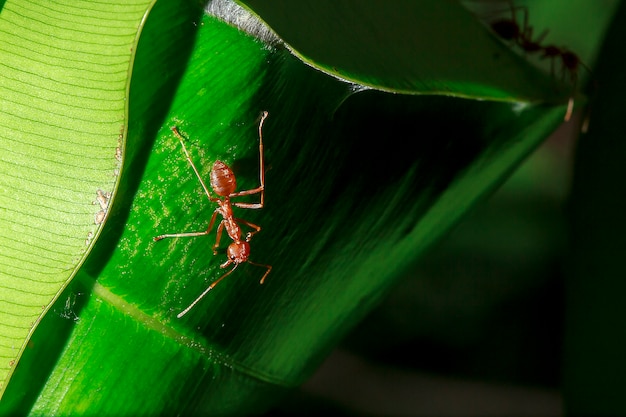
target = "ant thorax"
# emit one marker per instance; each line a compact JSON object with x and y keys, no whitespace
{"x":231,"y":226}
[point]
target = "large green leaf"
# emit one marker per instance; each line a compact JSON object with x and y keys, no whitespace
{"x":594,"y":366}
{"x":358,"y":184}
{"x":411,"y":55}
{"x":63,"y":85}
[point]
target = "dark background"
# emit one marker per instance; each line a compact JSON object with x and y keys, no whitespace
{"x":476,"y":329}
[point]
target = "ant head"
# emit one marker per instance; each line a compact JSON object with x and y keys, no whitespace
{"x":238,"y":252}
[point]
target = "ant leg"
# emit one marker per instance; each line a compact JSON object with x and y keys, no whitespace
{"x":570,"y":102}
{"x":551,"y":52}
{"x":261,"y":187}
{"x":189,"y":234}
{"x":570,"y":109}
{"x":269,"y":268}
{"x":248,"y":205}
{"x":218,"y":237}
{"x":197,"y":300}
{"x":256,"y":228}
{"x":526,"y":29}
{"x":204,"y":187}
{"x":525,"y":40}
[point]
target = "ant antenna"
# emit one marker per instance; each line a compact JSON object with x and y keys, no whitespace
{"x":201,"y":296}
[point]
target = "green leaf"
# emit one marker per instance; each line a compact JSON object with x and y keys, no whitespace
{"x":358,"y":183}
{"x":594,"y":341}
{"x":402,"y":48}
{"x":64,"y":79}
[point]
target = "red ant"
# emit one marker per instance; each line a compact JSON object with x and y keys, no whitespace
{"x":223,"y":183}
{"x":510,"y":30}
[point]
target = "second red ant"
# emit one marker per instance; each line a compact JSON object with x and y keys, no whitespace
{"x":224,"y":184}
{"x":521,"y":35}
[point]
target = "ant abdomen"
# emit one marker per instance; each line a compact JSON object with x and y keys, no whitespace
{"x":223,"y":179}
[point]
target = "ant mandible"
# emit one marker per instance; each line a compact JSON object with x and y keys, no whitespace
{"x":224,"y":184}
